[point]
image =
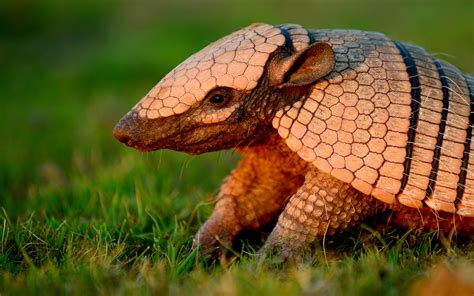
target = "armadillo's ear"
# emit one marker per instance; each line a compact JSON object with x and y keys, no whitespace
{"x":305,"y":67}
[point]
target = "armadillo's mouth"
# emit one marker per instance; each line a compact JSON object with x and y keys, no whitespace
{"x":185,"y":136}
{"x":130,"y":142}
{"x":142,"y":134}
{"x":196,"y":147}
{"x":167,"y":133}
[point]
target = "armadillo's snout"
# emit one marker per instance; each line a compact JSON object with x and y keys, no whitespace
{"x":135,"y":132}
{"x":122,"y":132}
{"x":121,"y":135}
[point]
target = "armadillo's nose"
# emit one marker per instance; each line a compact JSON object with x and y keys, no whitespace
{"x":140,"y":133}
{"x":120,"y":135}
{"x":122,"y":131}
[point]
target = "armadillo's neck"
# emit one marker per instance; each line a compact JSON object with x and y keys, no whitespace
{"x":277,"y":153}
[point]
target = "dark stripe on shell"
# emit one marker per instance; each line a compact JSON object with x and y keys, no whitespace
{"x":442,"y":127}
{"x":467,"y":146}
{"x":415,"y":109}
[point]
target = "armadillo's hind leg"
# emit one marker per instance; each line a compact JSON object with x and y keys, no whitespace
{"x":320,"y":207}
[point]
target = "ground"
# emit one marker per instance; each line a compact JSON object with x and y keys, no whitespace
{"x":80,"y":213}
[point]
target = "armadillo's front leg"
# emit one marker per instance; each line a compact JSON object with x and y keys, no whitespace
{"x":321,"y":206}
{"x":252,"y":196}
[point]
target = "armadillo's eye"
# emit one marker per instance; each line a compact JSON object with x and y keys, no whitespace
{"x":217,"y":99}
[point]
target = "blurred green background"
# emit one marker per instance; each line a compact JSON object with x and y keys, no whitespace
{"x":70,"y":69}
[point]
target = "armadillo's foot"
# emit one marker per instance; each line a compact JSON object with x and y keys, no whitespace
{"x":212,"y":244}
{"x":215,"y":238}
{"x":282,"y":246}
{"x":322,"y":206}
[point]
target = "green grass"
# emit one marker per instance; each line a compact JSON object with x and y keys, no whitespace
{"x":80,"y":213}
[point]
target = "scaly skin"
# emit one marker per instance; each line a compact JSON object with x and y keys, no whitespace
{"x":256,"y":194}
{"x":323,"y":205}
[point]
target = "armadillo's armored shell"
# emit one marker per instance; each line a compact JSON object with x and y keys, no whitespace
{"x":236,"y":61}
{"x":390,"y":120}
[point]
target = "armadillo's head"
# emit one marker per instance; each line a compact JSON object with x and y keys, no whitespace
{"x":225,"y":95}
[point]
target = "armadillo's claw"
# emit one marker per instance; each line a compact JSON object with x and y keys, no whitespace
{"x":280,"y":249}
{"x":213,"y":245}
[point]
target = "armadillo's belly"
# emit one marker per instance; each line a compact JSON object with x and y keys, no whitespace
{"x":391,"y":120}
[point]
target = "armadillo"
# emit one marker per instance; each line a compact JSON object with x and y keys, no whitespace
{"x":334,"y":126}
